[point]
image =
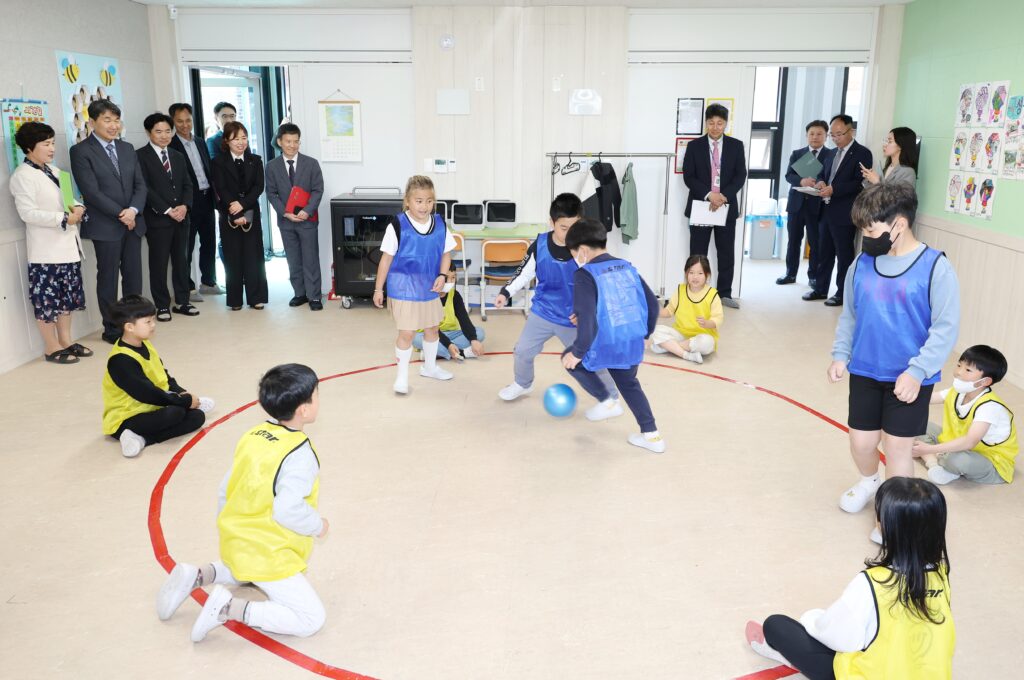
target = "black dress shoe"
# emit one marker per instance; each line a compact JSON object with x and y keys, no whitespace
{"x":813,"y":295}
{"x":110,"y":338}
{"x":783,"y":280}
{"x":316,"y":305}
{"x":834,"y":301}
{"x":298,"y":301}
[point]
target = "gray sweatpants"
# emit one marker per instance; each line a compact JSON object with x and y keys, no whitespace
{"x":536,"y":332}
{"x":970,"y":465}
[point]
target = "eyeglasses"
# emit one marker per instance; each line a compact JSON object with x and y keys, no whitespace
{"x":837,"y":135}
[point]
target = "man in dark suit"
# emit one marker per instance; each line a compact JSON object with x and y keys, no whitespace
{"x":714,"y":170}
{"x":202,"y":220}
{"x":224,"y":112}
{"x":839,"y":182}
{"x":299,"y":228}
{"x":168,"y":200}
{"x":107,"y":173}
{"x":804,"y":210}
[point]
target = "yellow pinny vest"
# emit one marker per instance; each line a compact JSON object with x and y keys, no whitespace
{"x":252,"y":544}
{"x":118,"y":406}
{"x":1002,"y":454}
{"x":905,"y":647}
{"x":688,"y":310}
{"x":449,"y":322}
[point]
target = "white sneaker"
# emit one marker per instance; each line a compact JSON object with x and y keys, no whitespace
{"x":651,"y":441}
{"x":609,"y":408}
{"x":876,"y":536}
{"x":211,"y":290}
{"x":941,"y":475}
{"x":437,"y":374}
{"x":131,"y":444}
{"x":857,"y":496}
{"x":209,"y":618}
{"x":402,"y":386}
{"x":469,"y":353}
{"x":175,"y":589}
{"x":695,"y":357}
{"x":513,"y":391}
{"x":206,"y":404}
{"x":195,"y":296}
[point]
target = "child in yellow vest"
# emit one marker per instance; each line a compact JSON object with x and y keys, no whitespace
{"x":142,"y":403}
{"x":893,"y":621}
{"x":978,"y":438}
{"x":697,"y":309}
{"x":457,"y":336}
{"x":268,"y":519}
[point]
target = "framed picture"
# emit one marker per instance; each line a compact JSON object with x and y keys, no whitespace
{"x":730,"y":104}
{"x":690,"y":116}
{"x":681,"y":143}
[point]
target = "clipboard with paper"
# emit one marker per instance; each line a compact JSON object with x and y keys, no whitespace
{"x":807,"y":165}
{"x":701,"y":214}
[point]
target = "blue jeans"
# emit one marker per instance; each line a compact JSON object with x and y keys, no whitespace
{"x":458,"y":338}
{"x":629,"y":390}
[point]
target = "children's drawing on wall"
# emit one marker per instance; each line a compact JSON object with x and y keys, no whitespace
{"x":958,"y":152}
{"x":986,"y":197}
{"x":953,"y":196}
{"x":981,"y":104}
{"x":976,"y":145}
{"x":966,"y":105}
{"x":969,"y":189}
{"x":999,"y":92}
{"x":1014,"y":113}
{"x":992,"y":146}
{"x":1011,"y":149}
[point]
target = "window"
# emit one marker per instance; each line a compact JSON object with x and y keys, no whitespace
{"x":765,"y":151}
{"x":853,"y":92}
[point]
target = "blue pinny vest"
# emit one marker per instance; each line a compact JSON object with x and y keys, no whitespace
{"x":418,"y":261}
{"x":894,"y":314}
{"x":552,"y":300}
{"x":621,"y":316}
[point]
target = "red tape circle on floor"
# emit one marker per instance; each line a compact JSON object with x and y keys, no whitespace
{"x":156,"y":532}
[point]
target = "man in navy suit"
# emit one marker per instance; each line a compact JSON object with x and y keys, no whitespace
{"x":714,"y":170}
{"x":839,"y":183}
{"x":114,"y":192}
{"x":804,"y":210}
{"x":202,"y":218}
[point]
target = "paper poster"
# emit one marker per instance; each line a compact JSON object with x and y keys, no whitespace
{"x":1011,"y":152}
{"x":969,"y":192}
{"x":966,"y":105}
{"x":958,"y":154}
{"x":982,"y":93}
{"x":15,"y":113}
{"x":729,"y":103}
{"x":993,"y":151}
{"x":341,"y":131}
{"x":1014,"y":115}
{"x":995,"y":110}
{"x":953,"y":192}
{"x":681,"y":143}
{"x":986,"y":196}
{"x":690,"y":116}
{"x":975,"y":150}
{"x":85,"y":78}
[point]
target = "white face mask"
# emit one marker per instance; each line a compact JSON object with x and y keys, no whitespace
{"x":577,"y":259}
{"x":447,"y":287}
{"x":963,"y":386}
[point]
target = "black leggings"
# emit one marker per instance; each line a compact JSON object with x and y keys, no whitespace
{"x":790,"y":639}
{"x":163,"y":424}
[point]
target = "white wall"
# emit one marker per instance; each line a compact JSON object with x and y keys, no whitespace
{"x":30,"y":35}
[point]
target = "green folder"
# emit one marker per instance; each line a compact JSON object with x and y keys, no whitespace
{"x":807,"y":165}
{"x":66,"y":191}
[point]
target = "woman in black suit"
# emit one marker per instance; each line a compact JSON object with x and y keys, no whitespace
{"x":238,"y":181}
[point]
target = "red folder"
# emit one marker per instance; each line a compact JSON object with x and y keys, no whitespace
{"x":297,"y":200}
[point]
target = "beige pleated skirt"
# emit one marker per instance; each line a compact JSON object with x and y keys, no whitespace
{"x":411,"y":315}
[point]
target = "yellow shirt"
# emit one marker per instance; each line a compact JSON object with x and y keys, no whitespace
{"x":118,"y":405}
{"x":905,"y":647}
{"x":706,"y":304}
{"x":1002,"y":454}
{"x":252,"y":544}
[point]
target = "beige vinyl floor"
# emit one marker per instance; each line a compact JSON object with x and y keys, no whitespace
{"x":471,"y":538}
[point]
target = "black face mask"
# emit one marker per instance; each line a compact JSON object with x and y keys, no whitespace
{"x":880,"y":245}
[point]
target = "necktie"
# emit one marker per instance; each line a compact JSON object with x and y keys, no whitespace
{"x":291,"y":171}
{"x":835,"y":164}
{"x":815,"y":152}
{"x":716,"y":168}
{"x":113,"y":158}
{"x":167,"y":163}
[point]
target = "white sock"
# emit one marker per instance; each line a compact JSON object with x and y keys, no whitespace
{"x":871,"y":480}
{"x":430,"y":355}
{"x":768,"y":652}
{"x":403,"y":356}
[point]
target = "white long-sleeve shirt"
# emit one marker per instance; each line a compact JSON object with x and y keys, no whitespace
{"x":295,"y":481}
{"x":850,"y":623}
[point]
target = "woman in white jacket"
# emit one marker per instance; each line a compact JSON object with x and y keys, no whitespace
{"x":54,"y":248}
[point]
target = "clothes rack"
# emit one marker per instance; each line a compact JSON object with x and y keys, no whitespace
{"x":663,"y":231}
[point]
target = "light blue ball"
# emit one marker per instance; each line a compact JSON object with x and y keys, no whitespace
{"x":560,"y":400}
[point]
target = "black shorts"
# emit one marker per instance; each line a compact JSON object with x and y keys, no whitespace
{"x":873,"y":406}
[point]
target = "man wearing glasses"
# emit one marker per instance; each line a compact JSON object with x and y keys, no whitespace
{"x":839,"y":182}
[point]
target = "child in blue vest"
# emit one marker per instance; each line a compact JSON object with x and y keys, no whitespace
{"x":893,"y":337}
{"x":550,"y":262}
{"x":615,"y":313}
{"x":415,"y":258}
{"x":267,"y":521}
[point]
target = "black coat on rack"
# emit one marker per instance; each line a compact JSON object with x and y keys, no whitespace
{"x":606,"y":203}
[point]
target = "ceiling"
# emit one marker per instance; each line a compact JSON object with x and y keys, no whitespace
{"x":390,"y":4}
